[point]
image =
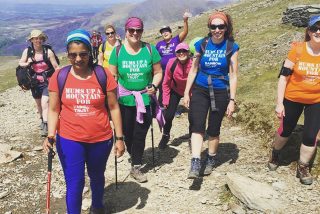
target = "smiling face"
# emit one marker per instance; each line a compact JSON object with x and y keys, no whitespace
{"x":78,"y":54}
{"x":134,"y":35}
{"x":218,"y":29}
{"x":166,"y":34}
{"x":314,"y":32}
{"x":37,"y":41}
{"x":182,"y":55}
{"x":111,"y":34}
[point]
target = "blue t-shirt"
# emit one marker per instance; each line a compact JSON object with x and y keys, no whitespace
{"x":167,"y":50}
{"x":214,"y":62}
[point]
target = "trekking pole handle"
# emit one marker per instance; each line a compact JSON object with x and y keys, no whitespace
{"x":51,"y":154}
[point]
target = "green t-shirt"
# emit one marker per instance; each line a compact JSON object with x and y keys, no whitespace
{"x":135,"y":71}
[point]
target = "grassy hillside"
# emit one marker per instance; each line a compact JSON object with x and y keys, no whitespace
{"x":264,"y":43}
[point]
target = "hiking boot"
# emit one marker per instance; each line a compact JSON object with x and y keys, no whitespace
{"x":97,"y":210}
{"x":44,"y":131}
{"x":211,"y":163}
{"x":195,"y":168}
{"x":137,"y":174}
{"x":273,"y":163}
{"x":164,"y":141}
{"x":303,"y":173}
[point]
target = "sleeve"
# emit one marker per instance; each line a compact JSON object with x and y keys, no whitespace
{"x":197,"y":45}
{"x":111,"y":82}
{"x":166,"y":83}
{"x":292,"y":55}
{"x":53,"y":83}
{"x":178,"y":39}
{"x":235,"y":48}
{"x":113,"y":60}
{"x":155,"y":55}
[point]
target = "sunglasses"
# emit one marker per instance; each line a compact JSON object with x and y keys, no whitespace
{"x":314,"y":28}
{"x":182,"y":51}
{"x":220,"y":27}
{"x":110,"y":33}
{"x":131,"y":30}
{"x":82,"y":55}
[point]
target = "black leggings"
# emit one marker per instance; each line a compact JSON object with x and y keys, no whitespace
{"x":135,"y":133}
{"x":199,"y":106}
{"x":170,"y":111}
{"x":293,"y":110}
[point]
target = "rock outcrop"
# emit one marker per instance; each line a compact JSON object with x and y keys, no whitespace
{"x":299,"y":15}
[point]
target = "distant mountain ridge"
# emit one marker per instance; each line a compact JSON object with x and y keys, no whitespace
{"x":58,"y":22}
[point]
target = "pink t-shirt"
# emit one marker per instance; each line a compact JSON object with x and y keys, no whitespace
{"x":83,"y":115}
{"x":180,"y":75}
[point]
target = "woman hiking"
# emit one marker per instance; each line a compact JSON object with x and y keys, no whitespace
{"x":78,"y":120}
{"x":167,"y":46}
{"x":214,"y":74}
{"x":40,"y":66}
{"x":299,"y":91}
{"x":136,"y":64}
{"x":173,"y":86}
{"x":106,"y":48}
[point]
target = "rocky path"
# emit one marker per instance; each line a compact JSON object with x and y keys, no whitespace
{"x":23,"y":181}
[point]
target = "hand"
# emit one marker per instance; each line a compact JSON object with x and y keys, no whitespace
{"x":119,"y":148}
{"x":280,"y":111}
{"x":47,"y":145}
{"x":151,"y":89}
{"x":186,"y":100}
{"x":165,"y":106}
{"x":230,"y":108}
{"x":186,"y":15}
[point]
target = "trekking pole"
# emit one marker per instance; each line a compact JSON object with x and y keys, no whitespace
{"x":115,"y":159}
{"x":51,"y":154}
{"x":152,"y":141}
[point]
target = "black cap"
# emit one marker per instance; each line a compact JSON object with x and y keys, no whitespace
{"x":165,"y":28}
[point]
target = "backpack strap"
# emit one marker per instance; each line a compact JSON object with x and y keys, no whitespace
{"x":173,"y":67}
{"x":229,"y":50}
{"x":103,"y":47}
{"x":62,"y":78}
{"x":101,"y":77}
{"x":204,"y":44}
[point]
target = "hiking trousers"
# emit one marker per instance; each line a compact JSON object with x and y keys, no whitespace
{"x":74,"y":156}
{"x":135,"y":133}
{"x":170,"y":111}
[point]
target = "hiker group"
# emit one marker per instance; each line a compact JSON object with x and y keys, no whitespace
{"x":119,"y":81}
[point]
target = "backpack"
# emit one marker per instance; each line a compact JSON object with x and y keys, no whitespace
{"x":104,"y":45}
{"x":229,"y":48}
{"x":98,"y":70}
{"x":173,"y":67}
{"x":26,"y":77}
{"x":118,"y":47}
{"x":46,"y":59}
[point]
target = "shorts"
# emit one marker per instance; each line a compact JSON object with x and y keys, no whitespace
{"x":199,"y":107}
{"x":39,"y":91}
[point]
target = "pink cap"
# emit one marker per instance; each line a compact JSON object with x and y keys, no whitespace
{"x":134,"y":22}
{"x":182,"y":45}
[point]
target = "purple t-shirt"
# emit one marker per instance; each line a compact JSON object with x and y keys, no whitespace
{"x":166,"y":50}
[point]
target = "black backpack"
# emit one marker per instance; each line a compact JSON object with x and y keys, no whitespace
{"x":45,"y":47}
{"x":26,"y":77}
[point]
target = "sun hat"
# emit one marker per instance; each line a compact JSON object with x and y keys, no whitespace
{"x":79,"y":35}
{"x":166,"y":27}
{"x":134,"y":22}
{"x":313,"y":20}
{"x":182,"y":46}
{"x":218,"y":14}
{"x":37,"y":33}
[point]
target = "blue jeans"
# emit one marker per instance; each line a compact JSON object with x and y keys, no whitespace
{"x":73,"y":156}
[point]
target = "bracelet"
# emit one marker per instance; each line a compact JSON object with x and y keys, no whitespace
{"x":50,"y":139}
{"x":120,"y":138}
{"x":155,"y":87}
{"x":231,"y":99}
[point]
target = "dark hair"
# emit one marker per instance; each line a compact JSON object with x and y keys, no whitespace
{"x":229,"y":32}
{"x":306,"y":36}
{"x":90,"y":63}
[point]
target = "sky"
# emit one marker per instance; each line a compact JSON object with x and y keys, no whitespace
{"x":69,"y":1}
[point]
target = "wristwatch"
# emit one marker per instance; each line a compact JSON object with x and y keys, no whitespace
{"x":120,"y":138}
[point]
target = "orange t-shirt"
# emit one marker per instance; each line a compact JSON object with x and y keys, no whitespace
{"x":83,"y":115}
{"x":304,"y":84}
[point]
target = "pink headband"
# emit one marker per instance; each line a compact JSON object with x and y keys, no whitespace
{"x":134,"y":22}
{"x":219,"y":15}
